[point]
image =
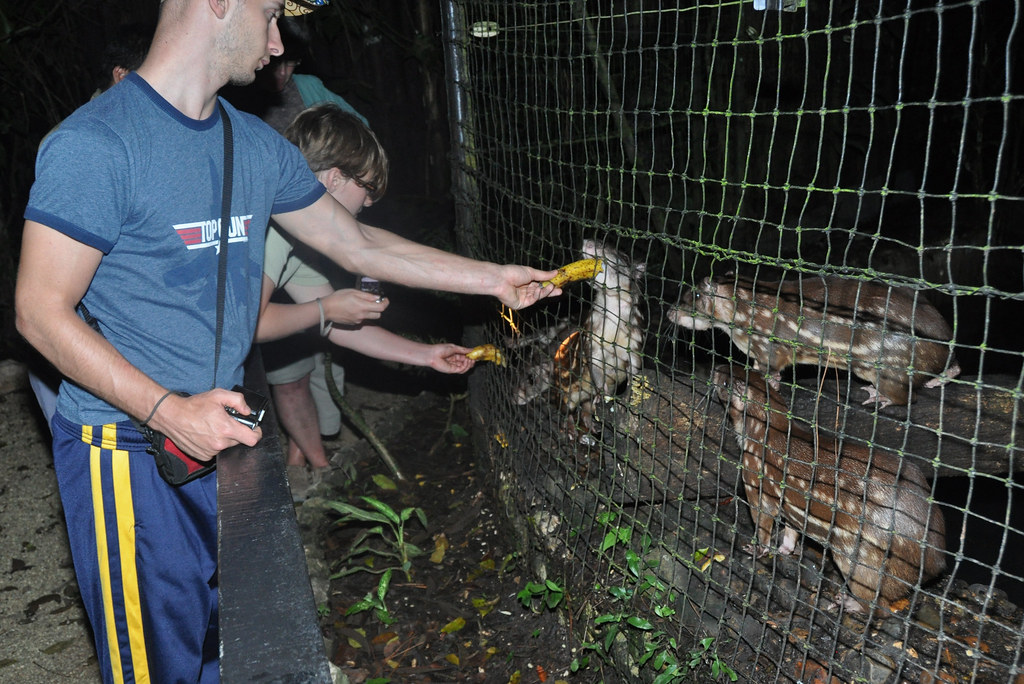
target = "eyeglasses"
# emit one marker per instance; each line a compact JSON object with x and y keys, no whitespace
{"x":368,"y":186}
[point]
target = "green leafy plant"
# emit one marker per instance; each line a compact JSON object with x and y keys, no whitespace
{"x":615,"y":535}
{"x":452,"y":430}
{"x":549,"y":593}
{"x":374,"y":601}
{"x":660,"y":651}
{"x":391,"y":530}
{"x":710,"y":657}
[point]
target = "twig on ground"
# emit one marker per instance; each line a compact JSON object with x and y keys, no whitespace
{"x":357,"y":419}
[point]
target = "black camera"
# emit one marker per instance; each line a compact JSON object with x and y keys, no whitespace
{"x":257,"y":403}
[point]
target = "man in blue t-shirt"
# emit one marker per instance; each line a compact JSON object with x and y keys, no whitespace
{"x":125,"y":218}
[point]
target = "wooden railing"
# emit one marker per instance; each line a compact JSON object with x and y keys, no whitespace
{"x":268,"y":619}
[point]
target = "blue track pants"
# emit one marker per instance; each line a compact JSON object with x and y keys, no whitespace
{"x":145,"y":555}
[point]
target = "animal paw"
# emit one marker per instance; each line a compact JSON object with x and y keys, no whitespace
{"x":848,"y":602}
{"x":875,"y":397}
{"x":787,"y":548}
{"x":756,"y":550}
{"x":947,"y":375}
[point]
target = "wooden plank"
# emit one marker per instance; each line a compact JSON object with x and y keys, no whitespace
{"x":269,"y":630}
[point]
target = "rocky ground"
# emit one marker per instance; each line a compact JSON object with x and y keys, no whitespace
{"x":44,"y":637}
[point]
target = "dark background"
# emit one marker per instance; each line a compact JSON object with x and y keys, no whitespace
{"x":383,"y":57}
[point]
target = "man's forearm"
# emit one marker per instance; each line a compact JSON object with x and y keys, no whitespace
{"x":328,"y":228}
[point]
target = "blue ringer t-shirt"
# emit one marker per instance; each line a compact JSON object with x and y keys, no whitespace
{"x":130,"y":175}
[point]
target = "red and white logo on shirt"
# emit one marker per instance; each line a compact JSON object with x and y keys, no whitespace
{"x":202,"y":234}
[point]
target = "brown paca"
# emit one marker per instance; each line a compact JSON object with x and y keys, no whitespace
{"x":875,"y":331}
{"x":597,"y":358}
{"x":870,"y":509}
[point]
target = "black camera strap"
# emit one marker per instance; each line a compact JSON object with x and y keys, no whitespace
{"x":225,"y":228}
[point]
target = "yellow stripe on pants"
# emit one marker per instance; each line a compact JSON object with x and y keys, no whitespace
{"x":125,"y":521}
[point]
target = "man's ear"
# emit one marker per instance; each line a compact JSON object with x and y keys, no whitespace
{"x":219,"y":7}
{"x":117,"y":74}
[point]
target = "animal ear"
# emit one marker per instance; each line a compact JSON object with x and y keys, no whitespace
{"x":639,"y":268}
{"x":739,"y":393}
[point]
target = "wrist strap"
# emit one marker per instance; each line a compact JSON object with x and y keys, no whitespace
{"x":155,"y":407}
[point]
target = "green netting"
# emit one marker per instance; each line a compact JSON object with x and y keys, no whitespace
{"x":876,"y":145}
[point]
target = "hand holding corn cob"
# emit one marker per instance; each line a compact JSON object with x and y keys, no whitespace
{"x":577,"y":270}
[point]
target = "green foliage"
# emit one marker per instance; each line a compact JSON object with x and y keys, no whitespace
{"x":642,"y":586}
{"x":389,"y":527}
{"x":549,"y":594}
{"x":660,"y":655}
{"x":374,"y":601}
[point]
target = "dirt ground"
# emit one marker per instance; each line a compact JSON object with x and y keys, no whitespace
{"x":456,"y":619}
{"x":44,"y":636}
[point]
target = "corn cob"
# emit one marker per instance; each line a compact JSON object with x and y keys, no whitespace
{"x":577,"y":270}
{"x":486,"y":352}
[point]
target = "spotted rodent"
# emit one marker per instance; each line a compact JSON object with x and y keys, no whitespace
{"x":870,"y":509}
{"x":597,"y":358}
{"x":875,"y":331}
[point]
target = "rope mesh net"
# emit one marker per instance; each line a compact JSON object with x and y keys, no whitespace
{"x":791,"y":202}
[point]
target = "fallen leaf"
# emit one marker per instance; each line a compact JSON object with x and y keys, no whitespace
{"x":452,"y":658}
{"x":899,"y":604}
{"x":384,"y":482}
{"x":454,"y":626}
{"x":485,"y":606}
{"x":440,"y":547}
{"x":704,"y":557}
